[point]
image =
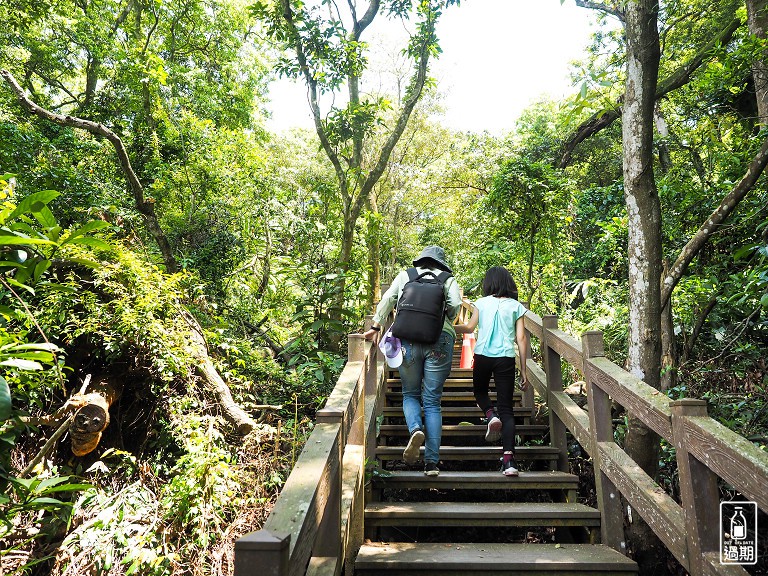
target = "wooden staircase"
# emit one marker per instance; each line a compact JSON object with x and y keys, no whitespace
{"x":333,"y":518}
{"x":471,"y":519}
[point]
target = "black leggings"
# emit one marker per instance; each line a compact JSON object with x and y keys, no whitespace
{"x":503,"y":371}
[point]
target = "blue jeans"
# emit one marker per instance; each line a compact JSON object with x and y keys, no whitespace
{"x":423,"y":372}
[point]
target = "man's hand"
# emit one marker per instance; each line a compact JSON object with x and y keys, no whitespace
{"x":372,"y":334}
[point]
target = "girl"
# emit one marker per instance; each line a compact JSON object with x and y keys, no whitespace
{"x":500,"y":318}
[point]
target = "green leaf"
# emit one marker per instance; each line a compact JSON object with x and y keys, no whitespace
{"x":83,"y":230}
{"x":6,"y":406}
{"x":40,"y":268}
{"x":48,"y":346}
{"x":43,"y":502}
{"x":34,"y":203}
{"x":59,"y":484}
{"x":764,"y":300}
{"x":66,"y":488}
{"x":17,"y":284}
{"x":48,"y":220}
{"x":60,"y":287}
{"x":13,"y":240}
{"x":21,"y":364}
{"x":93,"y":242}
{"x":35,"y":356}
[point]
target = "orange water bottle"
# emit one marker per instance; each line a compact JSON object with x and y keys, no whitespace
{"x":467,"y":351}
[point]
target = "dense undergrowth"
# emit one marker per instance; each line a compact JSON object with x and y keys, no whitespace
{"x":170,"y":485}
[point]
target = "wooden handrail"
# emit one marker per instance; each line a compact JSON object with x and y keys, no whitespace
{"x":705,"y":450}
{"x":315,"y":526}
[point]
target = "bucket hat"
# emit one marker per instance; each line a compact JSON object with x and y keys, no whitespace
{"x":436,"y":255}
{"x":392,"y":349}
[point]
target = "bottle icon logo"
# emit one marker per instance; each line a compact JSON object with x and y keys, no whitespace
{"x":738,"y":532}
{"x":738,"y":525}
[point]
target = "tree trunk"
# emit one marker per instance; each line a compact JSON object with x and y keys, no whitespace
{"x":531,"y":258}
{"x":669,"y":355}
{"x":145,"y":206}
{"x":757,"y":20}
{"x":374,"y":254}
{"x":665,"y":159}
{"x":644,"y":213}
{"x":232,"y":412}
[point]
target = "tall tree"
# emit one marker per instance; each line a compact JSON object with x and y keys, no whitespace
{"x":134,"y":68}
{"x":326,"y":51}
{"x":680,"y":76}
{"x":644,"y":213}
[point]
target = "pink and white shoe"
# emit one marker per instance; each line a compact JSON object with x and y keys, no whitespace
{"x":494,"y":430}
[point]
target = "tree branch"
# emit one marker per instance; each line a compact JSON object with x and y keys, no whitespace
{"x":312,"y":85}
{"x":402,"y":121}
{"x":691,"y":342}
{"x":47,"y":446}
{"x":727,"y":205}
{"x":242,"y":421}
{"x":365,"y":21}
{"x":144,"y":206}
{"x":678,"y":78}
{"x":613,"y":11}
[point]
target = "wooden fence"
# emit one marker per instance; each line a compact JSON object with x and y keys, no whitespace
{"x":705,"y":450}
{"x":316,"y":525}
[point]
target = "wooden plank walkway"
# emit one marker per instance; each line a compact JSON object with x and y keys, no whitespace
{"x":409,"y":533}
{"x":471,"y":520}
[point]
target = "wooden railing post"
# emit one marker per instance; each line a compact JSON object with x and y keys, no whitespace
{"x":262,"y":553}
{"x":553,"y":369}
{"x":698,"y":489}
{"x":329,"y":537}
{"x":355,"y":348}
{"x":601,"y":430}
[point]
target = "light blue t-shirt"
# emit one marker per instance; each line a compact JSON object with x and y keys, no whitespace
{"x":496,"y":326}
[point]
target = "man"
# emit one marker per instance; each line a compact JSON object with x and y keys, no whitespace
{"x":425,"y":366}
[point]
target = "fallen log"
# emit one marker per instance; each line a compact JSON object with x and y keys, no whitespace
{"x":231,"y":410}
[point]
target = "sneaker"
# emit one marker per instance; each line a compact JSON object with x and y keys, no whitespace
{"x":494,"y":429}
{"x":431,"y":469}
{"x":510,"y":468}
{"x":411,"y":452}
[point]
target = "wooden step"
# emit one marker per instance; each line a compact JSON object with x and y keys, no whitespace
{"x":462,"y":480}
{"x":480,"y":514}
{"x":453,"y":384}
{"x":524,"y":453}
{"x":456,"y":411}
{"x":401,"y":558}
{"x":465,"y":430}
{"x":455,"y":373}
{"x":453,"y":397}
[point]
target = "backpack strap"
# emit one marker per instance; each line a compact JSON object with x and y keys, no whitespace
{"x":443,"y":277}
{"x":412,"y":274}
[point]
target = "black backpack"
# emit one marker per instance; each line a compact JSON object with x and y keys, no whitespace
{"x":421,"y":307}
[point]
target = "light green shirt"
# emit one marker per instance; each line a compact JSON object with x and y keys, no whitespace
{"x":390,"y":298}
{"x":497,"y":326}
